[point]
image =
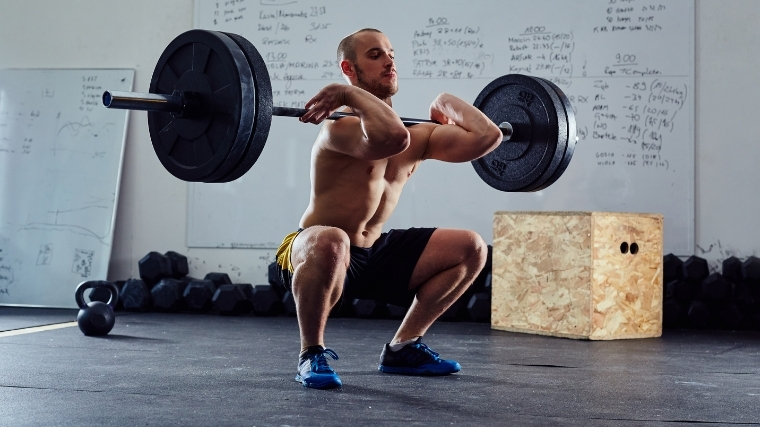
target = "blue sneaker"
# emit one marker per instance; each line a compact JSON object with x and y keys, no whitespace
{"x":313,"y":370}
{"x":415,"y":359}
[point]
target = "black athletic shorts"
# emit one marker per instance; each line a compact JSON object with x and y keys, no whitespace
{"x":381,"y":272}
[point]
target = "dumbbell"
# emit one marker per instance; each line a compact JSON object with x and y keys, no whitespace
{"x":479,"y":303}
{"x":218,"y":278}
{"x":198,"y":295}
{"x":694,"y":270}
{"x":699,"y":315}
{"x":369,"y":308}
{"x":289,"y":304}
{"x":730,"y":317}
{"x":274,"y":279}
{"x":178,"y":263}
{"x":673,"y":313}
{"x":680,"y":290}
{"x":396,"y":311}
{"x":135,"y":296}
{"x":154,"y":266}
{"x":751,"y":269}
{"x":168,"y":294}
{"x":233,"y":299}
{"x":479,"y":307}
{"x":732,"y":269}
{"x":266,"y":301}
{"x":343,"y":309}
{"x":672,"y":268}
{"x":458,"y":310}
{"x":716,"y":289}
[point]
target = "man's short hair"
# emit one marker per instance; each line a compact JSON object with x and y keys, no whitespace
{"x":347,"y":46}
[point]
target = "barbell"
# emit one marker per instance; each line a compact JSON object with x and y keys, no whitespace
{"x":210,"y":109}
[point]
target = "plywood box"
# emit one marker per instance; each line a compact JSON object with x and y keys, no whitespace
{"x":587,"y":275}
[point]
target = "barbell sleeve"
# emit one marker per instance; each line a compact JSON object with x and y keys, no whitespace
{"x":143,"y":101}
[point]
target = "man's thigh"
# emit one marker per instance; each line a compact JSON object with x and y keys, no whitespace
{"x":446,"y":248}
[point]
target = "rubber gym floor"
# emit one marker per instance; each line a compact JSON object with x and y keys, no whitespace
{"x":181,"y":369}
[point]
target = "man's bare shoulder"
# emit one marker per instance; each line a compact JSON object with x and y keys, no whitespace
{"x":338,"y":135}
{"x":347,"y":136}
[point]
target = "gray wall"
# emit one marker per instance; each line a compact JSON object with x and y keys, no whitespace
{"x":152,"y":212}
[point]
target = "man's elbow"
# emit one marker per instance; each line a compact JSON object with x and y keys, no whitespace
{"x":400,"y":140}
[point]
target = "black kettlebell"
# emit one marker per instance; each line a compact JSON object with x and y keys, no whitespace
{"x":96,"y":318}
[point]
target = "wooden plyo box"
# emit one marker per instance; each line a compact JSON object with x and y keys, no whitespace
{"x":575,"y":274}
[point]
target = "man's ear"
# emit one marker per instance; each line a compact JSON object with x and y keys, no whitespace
{"x":347,"y":68}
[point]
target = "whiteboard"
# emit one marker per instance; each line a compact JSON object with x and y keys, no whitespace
{"x":60,"y":163}
{"x":626,"y":65}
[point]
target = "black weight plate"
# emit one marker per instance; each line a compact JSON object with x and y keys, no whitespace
{"x":209,"y":67}
{"x":572,"y":135}
{"x":262,"y":103}
{"x":247,"y":113}
{"x":526,"y":104}
{"x":559,"y":154}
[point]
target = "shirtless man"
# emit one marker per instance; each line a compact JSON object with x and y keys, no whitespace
{"x":359,"y":166}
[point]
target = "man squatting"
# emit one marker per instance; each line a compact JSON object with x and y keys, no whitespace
{"x":359,"y":166}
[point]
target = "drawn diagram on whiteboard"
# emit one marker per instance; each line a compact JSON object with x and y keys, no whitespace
{"x":45,"y":255}
{"x":83,"y":128}
{"x":6,"y":278}
{"x":60,"y":222}
{"x":75,"y":128}
{"x":6,"y":273}
{"x":82,"y":262}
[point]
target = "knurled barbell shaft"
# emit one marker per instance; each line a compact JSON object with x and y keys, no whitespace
{"x":175,"y":104}
{"x":298,"y":112}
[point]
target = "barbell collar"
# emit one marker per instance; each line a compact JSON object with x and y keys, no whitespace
{"x":143,"y":101}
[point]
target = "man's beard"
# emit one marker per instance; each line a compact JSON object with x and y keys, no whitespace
{"x":375,"y":87}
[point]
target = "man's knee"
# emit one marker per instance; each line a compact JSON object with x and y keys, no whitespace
{"x":333,"y":247}
{"x":476,"y":251}
{"x":327,"y":247}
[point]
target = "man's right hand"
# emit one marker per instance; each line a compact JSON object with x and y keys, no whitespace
{"x":325,"y":102}
{"x":465,"y":133}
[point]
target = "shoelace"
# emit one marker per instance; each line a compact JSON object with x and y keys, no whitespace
{"x":319,"y":362}
{"x":427,"y":350}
